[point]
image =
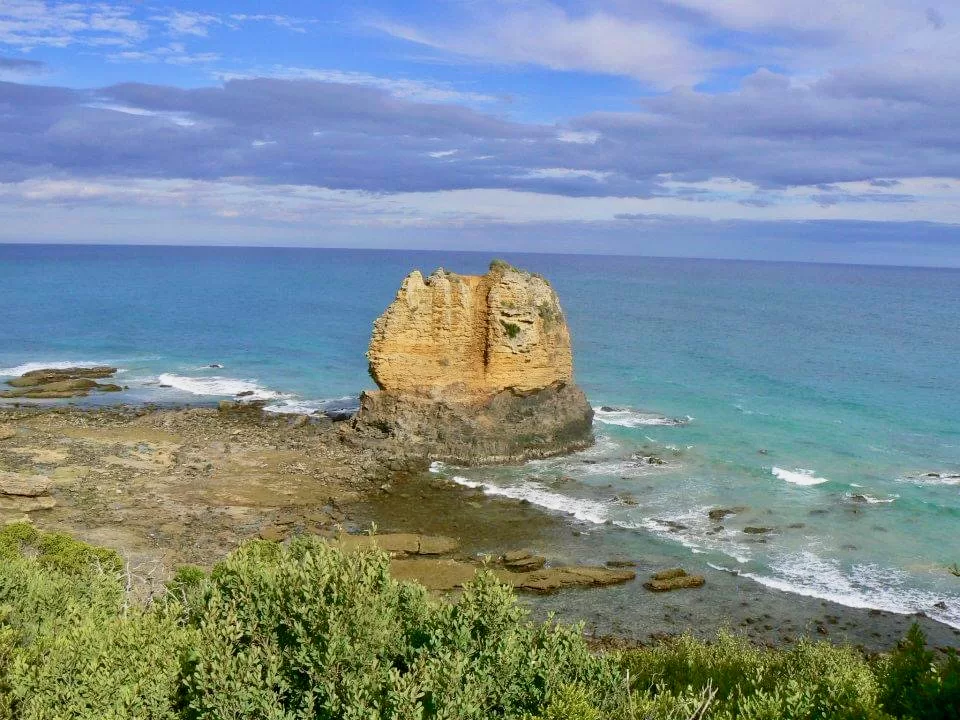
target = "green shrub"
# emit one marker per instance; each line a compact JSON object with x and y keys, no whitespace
{"x":187,"y":587}
{"x":511,"y":329}
{"x":46,"y":578}
{"x":69,"y":648}
{"x":915,"y":685}
{"x":124,"y":667}
{"x":809,"y":680}
{"x":309,"y":631}
{"x":56,"y":550}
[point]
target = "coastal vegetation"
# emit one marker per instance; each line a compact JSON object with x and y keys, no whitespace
{"x":306,"y":630}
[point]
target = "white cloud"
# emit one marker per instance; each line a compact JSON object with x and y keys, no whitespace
{"x":408,"y":89}
{"x":172,"y":54}
{"x":181,"y":22}
{"x":296,"y":24}
{"x":33,"y":23}
{"x":541,"y":33}
{"x":578,"y":137}
{"x":567,"y":173}
{"x":929,"y":200}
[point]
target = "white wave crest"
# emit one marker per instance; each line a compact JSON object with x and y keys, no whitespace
{"x":590,"y":511}
{"x":292,"y":406}
{"x":931,"y":479}
{"x":217,"y":386}
{"x":870,"y":499}
{"x":690,"y":528}
{"x":798,"y":476}
{"x":862,"y":586}
{"x":18,"y":370}
{"x":625,"y":417}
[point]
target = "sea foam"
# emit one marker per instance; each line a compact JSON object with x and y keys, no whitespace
{"x":862,"y":586}
{"x":18,"y":370}
{"x":590,"y":511}
{"x":625,"y":417}
{"x":279,"y":402}
{"x":798,"y":476}
{"x":931,"y":479}
{"x":217,"y":386}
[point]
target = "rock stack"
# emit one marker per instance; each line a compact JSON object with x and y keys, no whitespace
{"x":474,"y":369}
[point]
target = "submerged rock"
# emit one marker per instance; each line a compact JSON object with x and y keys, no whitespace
{"x":49,"y":375}
{"x":673,"y":579}
{"x":720,"y":513}
{"x":419,"y":558}
{"x":551,"y":580}
{"x":400,"y":544}
{"x":49,"y":384}
{"x":473,"y":369}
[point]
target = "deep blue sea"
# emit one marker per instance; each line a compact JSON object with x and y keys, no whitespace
{"x":820,"y":399}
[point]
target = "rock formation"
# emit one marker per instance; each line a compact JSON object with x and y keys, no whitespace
{"x":52,"y":384}
{"x":474,"y":369}
{"x":461,"y":336}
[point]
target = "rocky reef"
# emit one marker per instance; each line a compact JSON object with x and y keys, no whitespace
{"x":473,"y":369}
{"x":56,"y":384}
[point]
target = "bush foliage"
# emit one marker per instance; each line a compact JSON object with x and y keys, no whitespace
{"x":306,"y":631}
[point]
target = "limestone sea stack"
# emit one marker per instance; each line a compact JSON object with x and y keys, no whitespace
{"x":474,"y":369}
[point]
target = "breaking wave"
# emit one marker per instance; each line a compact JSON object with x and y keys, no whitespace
{"x":625,"y":417}
{"x":862,"y":586}
{"x":798,"y":476}
{"x":279,"y":402}
{"x":217,"y":386}
{"x":590,"y":511}
{"x":17,"y":370}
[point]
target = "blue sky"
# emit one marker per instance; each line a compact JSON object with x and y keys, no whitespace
{"x":766,"y":129}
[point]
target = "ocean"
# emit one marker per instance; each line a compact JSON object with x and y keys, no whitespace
{"x":819,"y":403}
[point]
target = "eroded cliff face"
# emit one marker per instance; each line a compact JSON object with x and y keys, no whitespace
{"x":468,"y":336}
{"x":473,"y":369}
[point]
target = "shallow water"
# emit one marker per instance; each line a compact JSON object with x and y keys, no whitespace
{"x":817,"y":398}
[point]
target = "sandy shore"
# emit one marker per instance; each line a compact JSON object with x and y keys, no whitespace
{"x":187,"y":485}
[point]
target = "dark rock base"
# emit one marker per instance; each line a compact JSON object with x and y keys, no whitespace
{"x":509,"y":427}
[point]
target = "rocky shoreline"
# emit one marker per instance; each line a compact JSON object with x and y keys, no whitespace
{"x":187,"y":485}
{"x":471,"y":370}
{"x":167,"y":487}
{"x":61,"y":383}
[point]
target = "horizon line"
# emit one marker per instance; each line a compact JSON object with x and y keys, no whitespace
{"x":493,"y":252}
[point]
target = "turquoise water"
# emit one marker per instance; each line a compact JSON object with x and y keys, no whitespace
{"x":815,"y":397}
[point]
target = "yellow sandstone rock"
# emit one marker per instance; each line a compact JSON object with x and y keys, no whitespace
{"x":464,"y":336}
{"x":472,"y":370}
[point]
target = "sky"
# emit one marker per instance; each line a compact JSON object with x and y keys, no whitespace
{"x":758,"y":129}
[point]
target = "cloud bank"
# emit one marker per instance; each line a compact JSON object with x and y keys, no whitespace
{"x":742,"y":112}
